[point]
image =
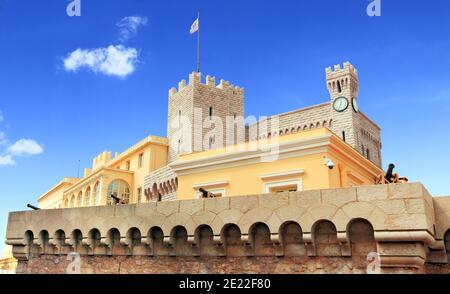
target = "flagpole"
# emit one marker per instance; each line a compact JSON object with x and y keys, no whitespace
{"x":198,"y":44}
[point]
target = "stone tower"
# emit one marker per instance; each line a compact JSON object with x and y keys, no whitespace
{"x":347,"y":120}
{"x":194,"y":109}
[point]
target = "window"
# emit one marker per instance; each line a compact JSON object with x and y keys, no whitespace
{"x":368,"y":154}
{"x":87,"y":198}
{"x":128,"y":165}
{"x":215,"y":193}
{"x":139,"y":195}
{"x":339,"y":86}
{"x":96,"y":194}
{"x":141,"y":160}
{"x":343,"y":135}
{"x":179,"y":119}
{"x":119,"y":189}
{"x":283,"y":186}
{"x":210,"y":112}
{"x":79,"y":199}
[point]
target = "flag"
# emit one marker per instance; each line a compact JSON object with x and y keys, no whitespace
{"x":195,"y":26}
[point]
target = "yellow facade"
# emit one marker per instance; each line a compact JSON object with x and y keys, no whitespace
{"x":128,"y":168}
{"x":301,"y":164}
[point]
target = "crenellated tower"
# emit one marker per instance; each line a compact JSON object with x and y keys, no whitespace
{"x":347,"y":120}
{"x":193,"y":105}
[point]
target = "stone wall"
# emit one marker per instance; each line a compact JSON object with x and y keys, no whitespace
{"x":314,"y":231}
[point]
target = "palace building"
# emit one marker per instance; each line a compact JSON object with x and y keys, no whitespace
{"x":330,"y":145}
{"x":302,"y":191}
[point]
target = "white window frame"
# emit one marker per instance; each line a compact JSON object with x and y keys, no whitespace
{"x":198,"y":194}
{"x":270,"y":185}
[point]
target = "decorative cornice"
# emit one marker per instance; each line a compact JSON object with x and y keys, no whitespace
{"x":278,"y":175}
{"x":211,"y":184}
{"x":289,"y":149}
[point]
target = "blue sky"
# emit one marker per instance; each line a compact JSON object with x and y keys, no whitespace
{"x":52,"y":116}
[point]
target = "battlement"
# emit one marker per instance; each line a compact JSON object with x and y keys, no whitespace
{"x":195,"y":80}
{"x":398,"y":221}
{"x":348,"y":68}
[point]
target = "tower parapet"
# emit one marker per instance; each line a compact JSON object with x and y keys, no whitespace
{"x":196,"y":100}
{"x":195,"y":80}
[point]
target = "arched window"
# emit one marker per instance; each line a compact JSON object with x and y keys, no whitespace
{"x":72,"y":201}
{"x":120,"y":189}
{"x":87,"y":197}
{"x":79,"y":199}
{"x":66,"y":203}
{"x":96,"y":195}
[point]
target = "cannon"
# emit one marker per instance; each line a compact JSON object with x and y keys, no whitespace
{"x":33,"y":207}
{"x":117,"y":200}
{"x":390,"y":177}
{"x":206,"y":194}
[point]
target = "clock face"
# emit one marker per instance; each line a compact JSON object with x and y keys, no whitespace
{"x":340,"y":104}
{"x":355,"y":104}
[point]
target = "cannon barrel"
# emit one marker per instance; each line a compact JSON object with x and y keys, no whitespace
{"x":33,"y":207}
{"x":390,"y":172}
{"x":117,"y":199}
{"x":204,"y":192}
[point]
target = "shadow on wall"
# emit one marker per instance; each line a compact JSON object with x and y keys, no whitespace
{"x":288,"y":241}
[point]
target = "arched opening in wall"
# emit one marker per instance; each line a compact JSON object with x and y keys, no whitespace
{"x":231,"y":236}
{"x":94,"y":237}
{"x":156,"y":239}
{"x":362,"y":237}
{"x":80,"y":199}
{"x":291,"y":235}
{"x":60,"y":238}
{"x":134,"y":237}
{"x":121,"y":190}
{"x":447,"y":244}
{"x":44,"y":239}
{"x":96,"y":194}
{"x":204,"y":238}
{"x":72,"y":201}
{"x":178,"y":238}
{"x":339,"y":86}
{"x":66,"y":203}
{"x":113,"y":237}
{"x":77,"y":239}
{"x":29,"y":238}
{"x":325,"y":239}
{"x":260,"y":239}
{"x":87,"y":197}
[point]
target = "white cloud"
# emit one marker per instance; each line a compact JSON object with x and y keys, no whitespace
{"x":6,"y":160}
{"x":129,"y":26}
{"x":25,"y":147}
{"x":113,"y":61}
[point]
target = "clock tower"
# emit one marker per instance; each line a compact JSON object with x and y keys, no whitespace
{"x":343,"y":86}
{"x":348,"y":122}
